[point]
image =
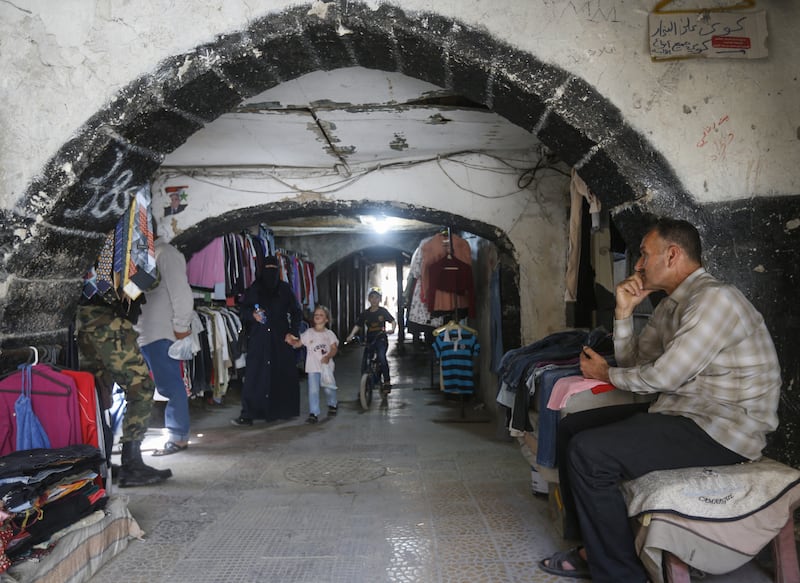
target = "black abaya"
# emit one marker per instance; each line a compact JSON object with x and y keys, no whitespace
{"x":271,"y":387}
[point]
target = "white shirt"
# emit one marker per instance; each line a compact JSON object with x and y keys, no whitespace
{"x":318,"y":344}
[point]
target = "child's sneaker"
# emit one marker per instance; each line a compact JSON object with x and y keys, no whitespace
{"x":312,"y":419}
{"x":332,"y":411}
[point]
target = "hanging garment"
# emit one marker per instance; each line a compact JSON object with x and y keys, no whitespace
{"x":55,"y":401}
{"x":418,"y":312}
{"x":206,"y":268}
{"x":578,"y":192}
{"x":100,"y":279}
{"x":496,"y":319}
{"x":456,"y":347}
{"x":88,"y":405}
{"x":455,"y":277}
{"x":433,"y":250}
{"x":234,"y":261}
{"x":30,"y":433}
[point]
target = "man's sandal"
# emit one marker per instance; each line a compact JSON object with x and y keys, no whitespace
{"x":169,"y":448}
{"x":555,"y":566}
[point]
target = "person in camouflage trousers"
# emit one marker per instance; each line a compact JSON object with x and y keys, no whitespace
{"x":108,"y":349}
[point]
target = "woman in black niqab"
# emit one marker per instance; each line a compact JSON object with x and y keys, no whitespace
{"x":271,"y":388}
{"x":270,"y":276}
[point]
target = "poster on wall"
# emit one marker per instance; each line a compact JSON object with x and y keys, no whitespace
{"x":178,"y":199}
{"x":707,"y":35}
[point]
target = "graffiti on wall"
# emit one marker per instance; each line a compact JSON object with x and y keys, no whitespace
{"x":719,"y":135}
{"x":109,"y":193}
{"x":592,"y":10}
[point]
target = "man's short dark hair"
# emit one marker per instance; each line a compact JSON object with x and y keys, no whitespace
{"x":680,"y":233}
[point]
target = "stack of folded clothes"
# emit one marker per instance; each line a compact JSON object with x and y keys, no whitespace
{"x":43,"y":491}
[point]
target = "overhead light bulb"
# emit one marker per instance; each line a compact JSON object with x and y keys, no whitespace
{"x":381,"y":225}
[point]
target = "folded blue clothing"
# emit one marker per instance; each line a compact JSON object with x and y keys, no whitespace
{"x":516,"y":364}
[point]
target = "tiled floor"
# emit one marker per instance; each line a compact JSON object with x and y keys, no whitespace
{"x":407,"y":492}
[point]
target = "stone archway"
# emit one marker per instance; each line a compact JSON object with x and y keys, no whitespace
{"x":56,"y":230}
{"x":195,"y":237}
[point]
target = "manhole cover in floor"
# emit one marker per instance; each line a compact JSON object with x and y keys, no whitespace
{"x":334,"y":471}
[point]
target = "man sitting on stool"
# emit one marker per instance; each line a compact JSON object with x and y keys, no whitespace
{"x":708,"y":355}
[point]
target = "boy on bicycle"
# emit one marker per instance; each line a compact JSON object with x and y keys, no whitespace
{"x":373,"y":320}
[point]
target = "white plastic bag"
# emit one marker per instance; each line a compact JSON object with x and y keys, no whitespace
{"x":181,"y":349}
{"x":327,"y":381}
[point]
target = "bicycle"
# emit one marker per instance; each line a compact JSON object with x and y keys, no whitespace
{"x":370,"y":372}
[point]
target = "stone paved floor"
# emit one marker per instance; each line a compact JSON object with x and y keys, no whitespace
{"x":407,"y":492}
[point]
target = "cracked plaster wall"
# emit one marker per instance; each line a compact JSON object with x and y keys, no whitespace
{"x":63,"y":61}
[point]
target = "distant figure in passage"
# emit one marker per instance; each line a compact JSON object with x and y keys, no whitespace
{"x":373,"y":320}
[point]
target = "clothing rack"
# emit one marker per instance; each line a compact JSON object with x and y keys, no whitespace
{"x":452,"y":324}
{"x":289,"y":253}
{"x":11,"y":357}
{"x":45,"y":353}
{"x":16,"y":353}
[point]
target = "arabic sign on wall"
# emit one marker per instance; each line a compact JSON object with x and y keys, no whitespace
{"x":708,"y":35}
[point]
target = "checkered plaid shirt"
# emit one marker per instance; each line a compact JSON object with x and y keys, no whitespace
{"x":708,"y":354}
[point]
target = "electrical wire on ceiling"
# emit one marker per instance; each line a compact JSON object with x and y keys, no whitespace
{"x":531,"y":173}
{"x":525,"y":179}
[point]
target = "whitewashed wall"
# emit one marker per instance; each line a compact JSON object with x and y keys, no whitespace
{"x":62,"y":61}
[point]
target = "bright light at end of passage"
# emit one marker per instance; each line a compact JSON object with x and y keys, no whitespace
{"x":380,"y":224}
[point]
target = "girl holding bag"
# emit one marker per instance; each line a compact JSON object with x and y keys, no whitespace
{"x":321,"y":346}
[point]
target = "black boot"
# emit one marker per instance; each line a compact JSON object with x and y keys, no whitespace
{"x":134,"y":472}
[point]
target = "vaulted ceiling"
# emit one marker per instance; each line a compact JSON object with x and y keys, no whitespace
{"x":344,"y":120}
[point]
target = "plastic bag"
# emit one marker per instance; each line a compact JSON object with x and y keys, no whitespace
{"x":181,"y":349}
{"x":327,"y":379}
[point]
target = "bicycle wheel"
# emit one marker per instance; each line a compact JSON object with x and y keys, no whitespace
{"x":365,"y":391}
